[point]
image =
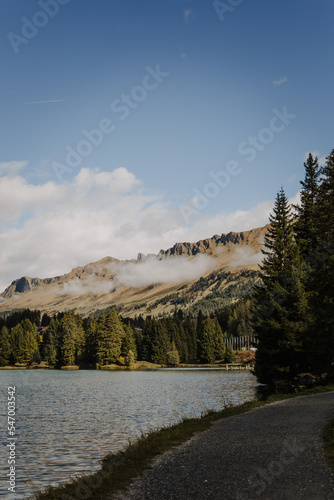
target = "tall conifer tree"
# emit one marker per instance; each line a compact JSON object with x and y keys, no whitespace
{"x":280,"y":304}
{"x":323,"y":270}
{"x":306,"y":224}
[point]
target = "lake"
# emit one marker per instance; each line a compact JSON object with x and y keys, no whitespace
{"x":66,"y":421}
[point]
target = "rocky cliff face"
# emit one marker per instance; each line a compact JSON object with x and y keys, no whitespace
{"x":209,"y":246}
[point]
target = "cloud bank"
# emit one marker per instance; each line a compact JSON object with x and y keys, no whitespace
{"x":245,"y":257}
{"x":47,"y":229}
{"x":169,"y":270}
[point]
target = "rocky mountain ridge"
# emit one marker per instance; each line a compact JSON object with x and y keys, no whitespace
{"x":111,"y":282}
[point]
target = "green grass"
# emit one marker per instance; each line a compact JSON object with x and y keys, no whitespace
{"x":118,"y":469}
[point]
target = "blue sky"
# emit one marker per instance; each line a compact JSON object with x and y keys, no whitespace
{"x":226,"y":75}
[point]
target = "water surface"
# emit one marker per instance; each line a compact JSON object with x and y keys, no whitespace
{"x":68,"y":420}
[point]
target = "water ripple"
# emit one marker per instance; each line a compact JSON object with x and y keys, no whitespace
{"x":67,"y":421}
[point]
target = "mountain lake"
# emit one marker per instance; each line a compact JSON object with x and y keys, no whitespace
{"x":66,"y":421}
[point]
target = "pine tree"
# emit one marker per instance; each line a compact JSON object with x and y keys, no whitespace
{"x":50,"y":340}
{"x":30,"y":344}
{"x":190,"y":335}
{"x":199,"y":324}
{"x":68,"y":341}
{"x":129,"y":348}
{"x":178,"y":336}
{"x":160,"y":342}
{"x":17,"y":341}
{"x":322,"y":300}
{"x":280,"y":304}
{"x":72,"y":339}
{"x":206,"y":347}
{"x":229,"y":355}
{"x":173,"y":358}
{"x":146,"y":339}
{"x":306,"y":234}
{"x":110,"y":333}
{"x":219,"y":350}
{"x":306,"y":224}
{"x":91,"y":344}
{"x":5,"y":347}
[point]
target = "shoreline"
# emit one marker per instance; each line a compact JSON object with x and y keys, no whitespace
{"x":119,"y":469}
{"x":144,"y":365}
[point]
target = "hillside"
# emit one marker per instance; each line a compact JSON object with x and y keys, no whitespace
{"x":207,"y":274}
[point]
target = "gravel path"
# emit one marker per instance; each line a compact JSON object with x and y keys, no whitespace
{"x":273,"y":453}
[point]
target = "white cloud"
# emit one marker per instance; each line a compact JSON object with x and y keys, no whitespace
{"x":245,"y":257}
{"x":280,"y":81}
{"x":81,"y":287}
{"x":187,"y":15}
{"x":12,"y":167}
{"x":45,"y":102}
{"x":48,"y":229}
{"x":168,"y":270}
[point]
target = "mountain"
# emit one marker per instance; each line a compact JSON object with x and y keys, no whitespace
{"x":207,"y":275}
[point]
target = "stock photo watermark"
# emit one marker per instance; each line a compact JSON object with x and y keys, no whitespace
{"x":259,"y":481}
{"x":11,"y":440}
{"x":249,"y":149}
{"x":122,"y":108}
{"x":30,"y":27}
{"x":222,"y":8}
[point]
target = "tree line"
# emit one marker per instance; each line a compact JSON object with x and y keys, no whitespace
{"x":67,"y":339}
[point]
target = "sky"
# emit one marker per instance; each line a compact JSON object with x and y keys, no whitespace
{"x":129,"y":126}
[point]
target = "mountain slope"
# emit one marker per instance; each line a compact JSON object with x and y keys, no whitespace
{"x":205,"y":274}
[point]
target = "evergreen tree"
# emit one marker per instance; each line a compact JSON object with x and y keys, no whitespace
{"x":50,"y":338}
{"x":146,"y":339}
{"x":177,"y":335}
{"x":322,"y":300}
{"x":280,"y":304}
{"x":5,"y":347}
{"x":30,"y":343}
{"x":199,"y":324}
{"x":206,"y":347}
{"x":229,"y":355}
{"x":219,"y":350}
{"x":68,"y":341}
{"x":17,"y":341}
{"x":160,"y":342}
{"x":173,"y":358}
{"x":45,"y":321}
{"x":110,"y":333}
{"x":156,"y":342}
{"x":306,"y":224}
{"x":129,"y":348}
{"x":91,"y":343}
{"x":190,"y":334}
{"x":72,"y":338}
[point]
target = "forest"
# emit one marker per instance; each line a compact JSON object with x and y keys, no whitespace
{"x":289,"y":312}
{"x":67,"y":339}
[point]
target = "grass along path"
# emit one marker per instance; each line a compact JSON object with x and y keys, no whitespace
{"x":120,"y":468}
